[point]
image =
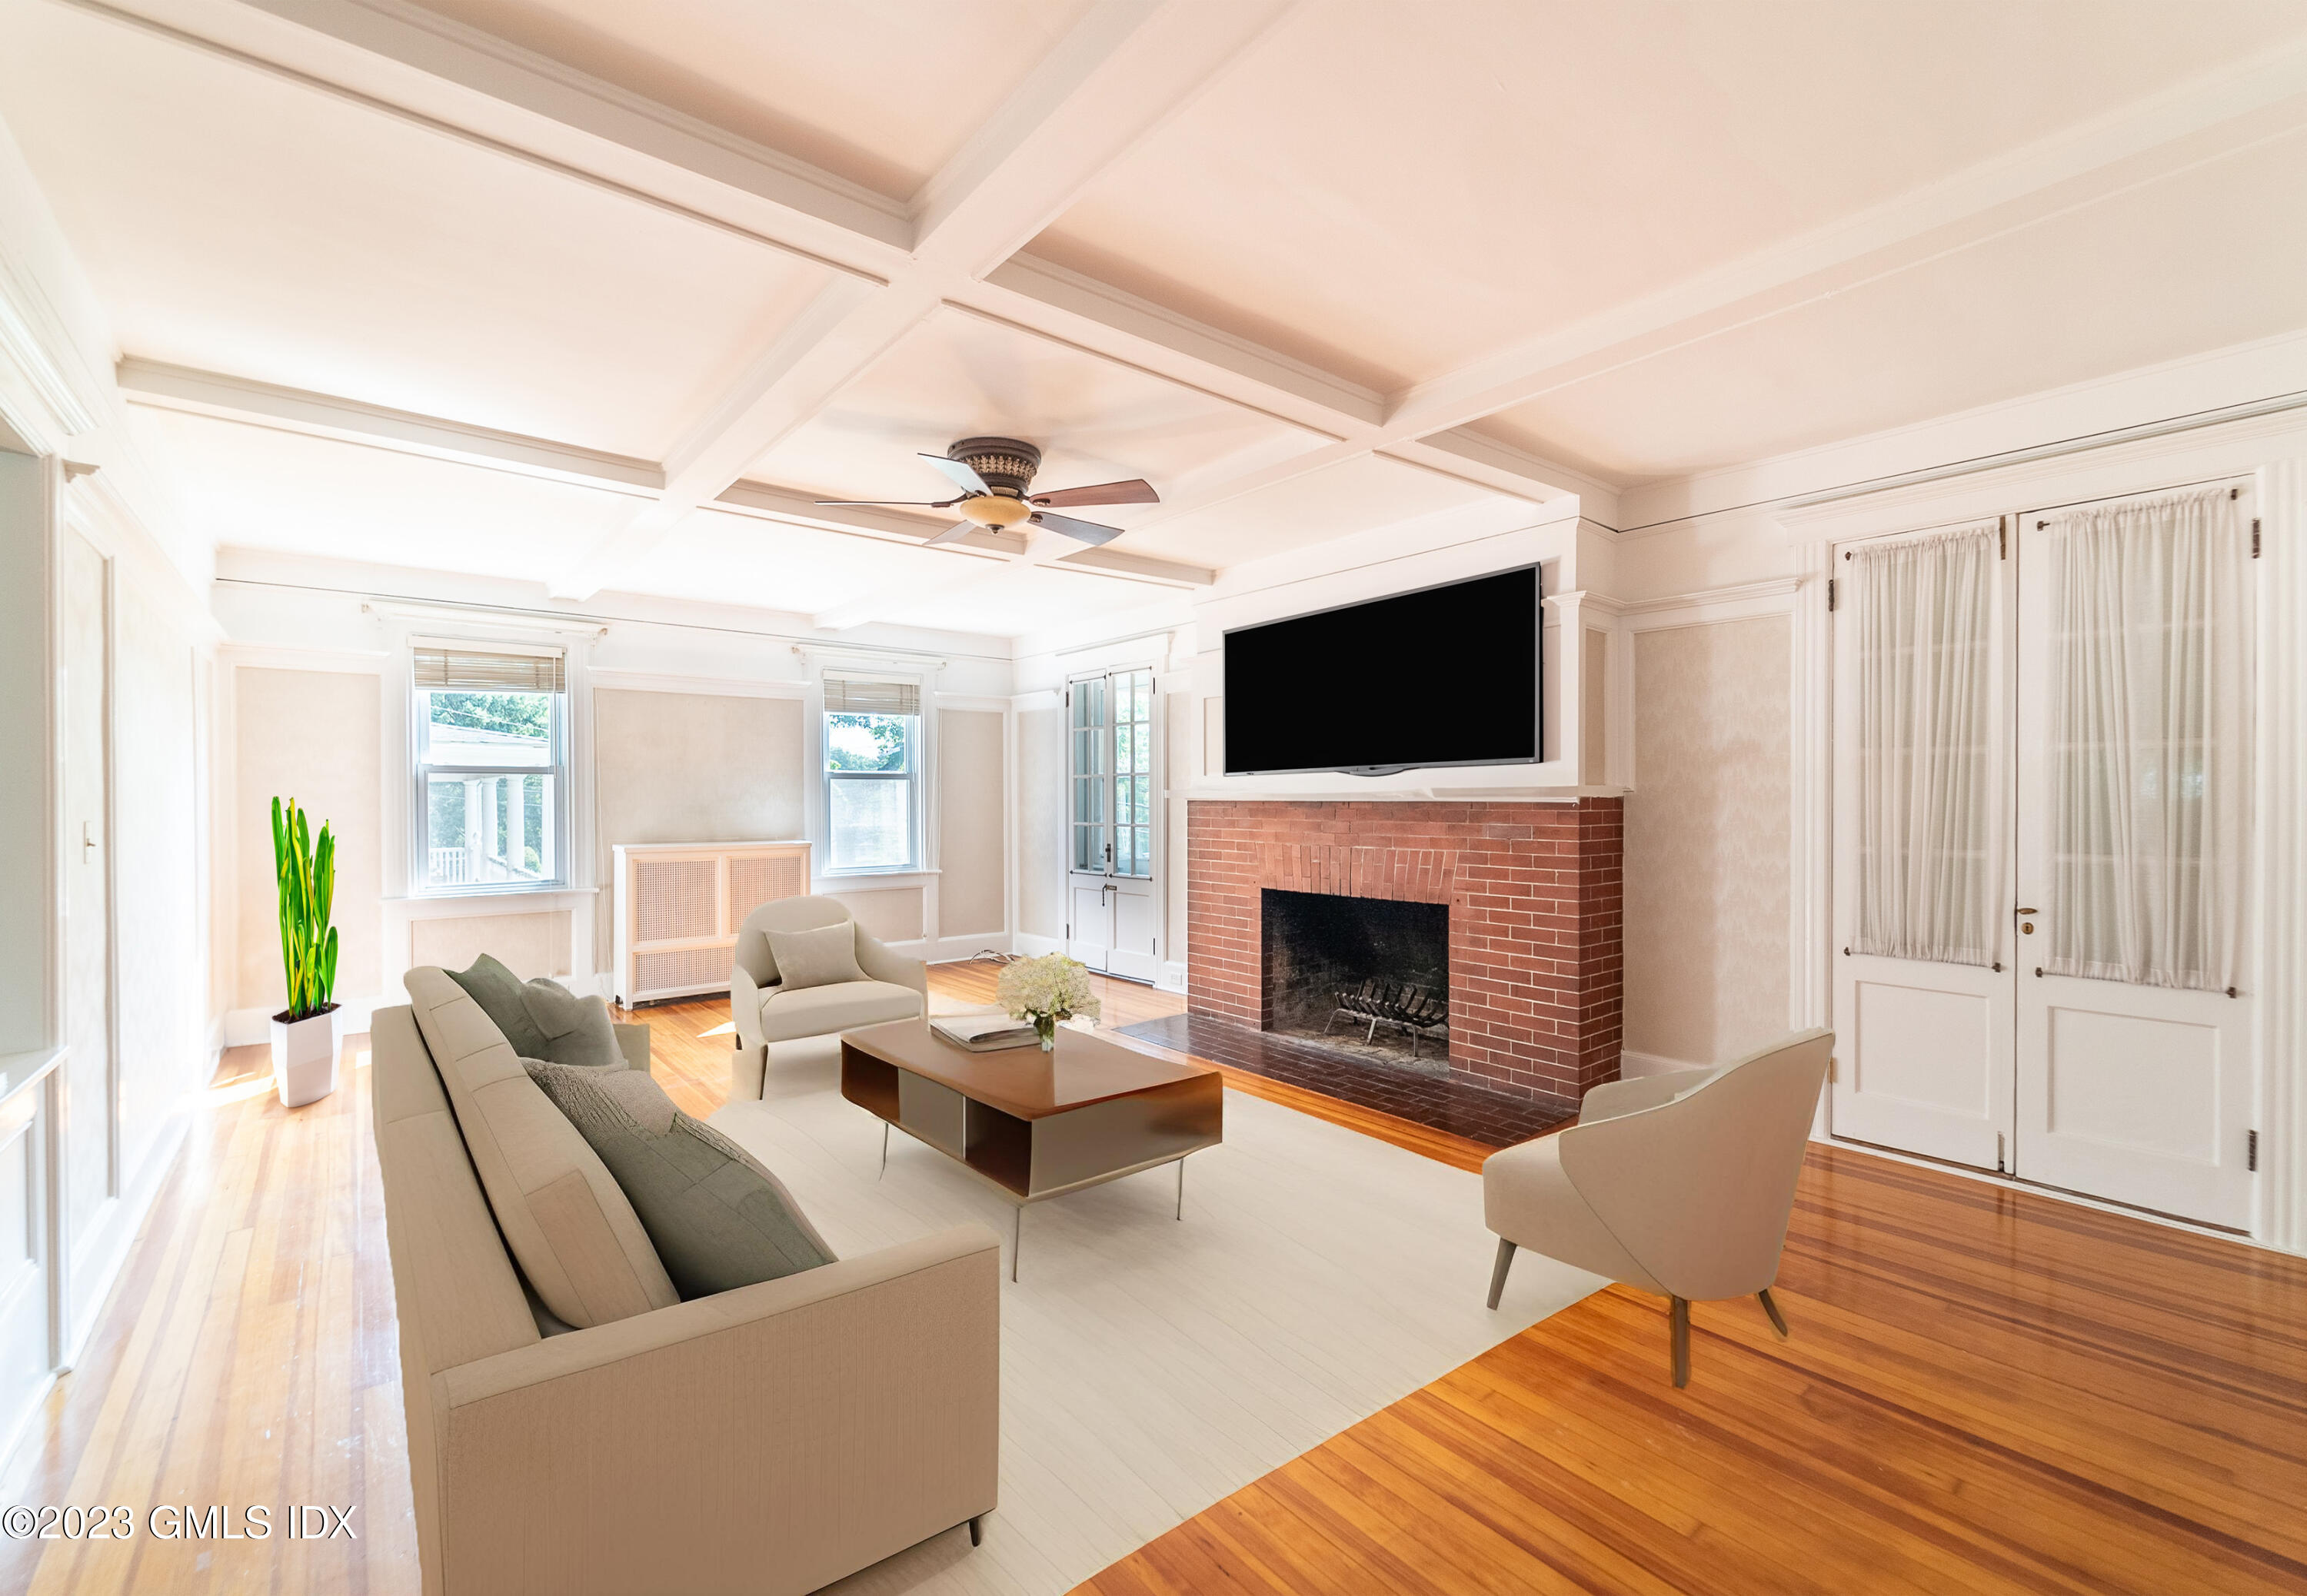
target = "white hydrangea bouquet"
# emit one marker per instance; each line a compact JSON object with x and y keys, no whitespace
{"x":1046,"y":990}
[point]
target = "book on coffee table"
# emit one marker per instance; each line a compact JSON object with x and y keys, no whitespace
{"x":985,"y":1033}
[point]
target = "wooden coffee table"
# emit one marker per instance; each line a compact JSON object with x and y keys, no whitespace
{"x":1032,"y":1124}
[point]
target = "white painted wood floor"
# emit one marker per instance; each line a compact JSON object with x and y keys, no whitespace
{"x":1151,"y":1367}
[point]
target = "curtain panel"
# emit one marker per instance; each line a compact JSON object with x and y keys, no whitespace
{"x":2151,"y":729}
{"x":1930,"y":843}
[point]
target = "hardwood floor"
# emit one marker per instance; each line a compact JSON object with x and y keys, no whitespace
{"x":1986,"y":1391}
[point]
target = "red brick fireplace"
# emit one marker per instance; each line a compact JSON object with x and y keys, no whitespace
{"x":1533,"y":890}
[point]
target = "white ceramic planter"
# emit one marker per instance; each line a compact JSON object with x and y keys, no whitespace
{"x":305,"y":1056}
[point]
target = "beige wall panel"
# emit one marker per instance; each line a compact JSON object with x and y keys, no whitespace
{"x":970,"y":811}
{"x":893,"y":914}
{"x":1594,"y":709}
{"x":1041,"y":821}
{"x":691,"y":767}
{"x":529,"y":945}
{"x":81,"y":579}
{"x":313,"y":736}
{"x":160,"y":812}
{"x":1708,"y":835}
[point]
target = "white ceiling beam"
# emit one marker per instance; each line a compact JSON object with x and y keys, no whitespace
{"x":2182,"y":126}
{"x":781,"y":504}
{"x":1125,"y":67}
{"x":159,"y":386}
{"x":1042,"y":547}
{"x":493,"y":72}
{"x":579,"y":171}
{"x":615,"y":129}
{"x":2197,"y":121}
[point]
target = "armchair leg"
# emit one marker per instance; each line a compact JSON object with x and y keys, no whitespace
{"x":1678,"y":1315}
{"x":1778,"y":1319}
{"x":977,"y":1529}
{"x":1498,"y":1269}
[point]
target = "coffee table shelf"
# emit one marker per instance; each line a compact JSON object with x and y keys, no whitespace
{"x":1035,"y":1125}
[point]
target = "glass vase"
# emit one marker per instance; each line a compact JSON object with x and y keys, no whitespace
{"x":1045,"y":1025}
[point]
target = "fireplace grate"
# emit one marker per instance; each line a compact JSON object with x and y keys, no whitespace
{"x":1421,"y":1010}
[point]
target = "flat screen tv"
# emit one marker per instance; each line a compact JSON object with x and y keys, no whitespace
{"x":1445,"y":675}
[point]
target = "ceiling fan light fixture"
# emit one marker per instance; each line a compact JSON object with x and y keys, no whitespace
{"x":998,"y":511}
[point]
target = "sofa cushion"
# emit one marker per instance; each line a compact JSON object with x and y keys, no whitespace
{"x":826,"y":956}
{"x":565,"y":1219}
{"x":499,"y":993}
{"x":820,"y":1011}
{"x":719,"y":1220}
{"x":577,"y":1030}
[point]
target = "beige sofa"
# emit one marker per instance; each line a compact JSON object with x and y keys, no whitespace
{"x":767,"y":1439}
{"x":896,"y":987}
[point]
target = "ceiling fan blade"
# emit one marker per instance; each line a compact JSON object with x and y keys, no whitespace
{"x":1136,"y":490}
{"x":1087,"y":532}
{"x":963,"y":475}
{"x":953,"y":534}
{"x":919,"y":504}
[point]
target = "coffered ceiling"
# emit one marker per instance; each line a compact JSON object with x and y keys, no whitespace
{"x":601,"y":296}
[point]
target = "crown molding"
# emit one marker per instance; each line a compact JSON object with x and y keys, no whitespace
{"x":47,"y":406}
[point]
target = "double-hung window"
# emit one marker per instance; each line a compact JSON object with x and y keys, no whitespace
{"x":872,"y":774}
{"x":491,"y":766}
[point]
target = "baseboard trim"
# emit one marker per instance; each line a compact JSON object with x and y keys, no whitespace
{"x":99,"y":1258}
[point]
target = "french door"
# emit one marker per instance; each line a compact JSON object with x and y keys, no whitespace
{"x":1110,"y":914}
{"x":2044,"y":733}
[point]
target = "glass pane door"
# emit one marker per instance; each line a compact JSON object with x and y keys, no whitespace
{"x":1111,"y":726}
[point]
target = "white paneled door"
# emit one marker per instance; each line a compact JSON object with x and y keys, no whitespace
{"x":2135,"y":701}
{"x":1926,"y":1050}
{"x":2043,"y":832}
{"x":1112,"y":918}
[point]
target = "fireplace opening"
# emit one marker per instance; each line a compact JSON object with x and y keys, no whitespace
{"x":1367,"y":976}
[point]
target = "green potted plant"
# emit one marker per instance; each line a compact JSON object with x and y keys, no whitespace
{"x":305,"y":1039}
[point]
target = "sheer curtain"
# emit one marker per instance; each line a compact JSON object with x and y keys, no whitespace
{"x":1930,"y":875}
{"x":2150,"y":756}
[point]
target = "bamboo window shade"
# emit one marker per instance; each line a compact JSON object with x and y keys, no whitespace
{"x":469,"y":671}
{"x":847,"y":696}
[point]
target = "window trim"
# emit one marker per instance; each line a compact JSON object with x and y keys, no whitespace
{"x":914,"y":776}
{"x":420,"y":773}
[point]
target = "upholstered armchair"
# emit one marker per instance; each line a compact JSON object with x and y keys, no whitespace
{"x":766,"y":1013}
{"x":1680,"y":1184}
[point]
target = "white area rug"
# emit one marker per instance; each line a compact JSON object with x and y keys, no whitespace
{"x":1151,"y":1367}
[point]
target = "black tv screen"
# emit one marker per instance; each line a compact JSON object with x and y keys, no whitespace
{"x":1445,"y":675}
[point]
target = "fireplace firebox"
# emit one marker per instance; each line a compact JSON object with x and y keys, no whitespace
{"x":1370,"y":976}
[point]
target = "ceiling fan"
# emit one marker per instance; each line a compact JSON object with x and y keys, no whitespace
{"x":993,"y":475}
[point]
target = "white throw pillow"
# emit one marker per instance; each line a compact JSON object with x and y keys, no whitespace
{"x":825,"y":957}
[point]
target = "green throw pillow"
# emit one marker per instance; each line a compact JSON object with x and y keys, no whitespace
{"x":498,"y":992}
{"x":576,"y":1029}
{"x":718,"y":1219}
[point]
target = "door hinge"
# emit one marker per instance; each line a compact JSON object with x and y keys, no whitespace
{"x":1833,"y":1069}
{"x":2254,"y":537}
{"x":1830,"y":595}
{"x":2251,"y":1151}
{"x":2003,"y":540}
{"x":2001,"y":1167}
